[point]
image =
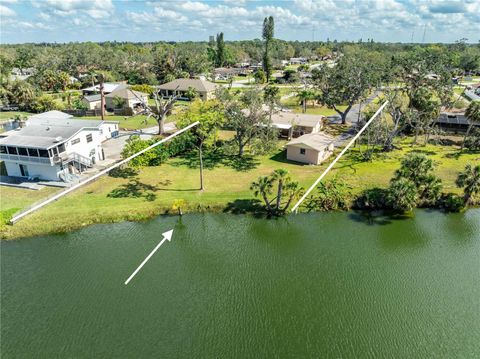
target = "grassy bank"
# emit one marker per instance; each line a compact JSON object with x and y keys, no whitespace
{"x":154,"y":189}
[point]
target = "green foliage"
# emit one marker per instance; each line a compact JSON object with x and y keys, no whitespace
{"x":452,"y":203}
{"x":472,"y":141}
{"x":469,"y":180}
{"x":286,"y":191}
{"x":402,"y":195}
{"x":143,"y":88}
{"x":260,"y":76}
{"x":372,"y":199}
{"x":330,"y":195}
{"x":191,"y":93}
{"x":158,"y":154}
{"x":20,"y":93}
{"x":418,"y":168}
{"x":45,"y":103}
{"x":78,"y":104}
{"x":473,"y":115}
{"x":118,"y":102}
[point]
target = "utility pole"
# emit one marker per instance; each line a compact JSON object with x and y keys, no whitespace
{"x":102,"y":99}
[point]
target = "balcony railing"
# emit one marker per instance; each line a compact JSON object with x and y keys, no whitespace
{"x":7,"y":157}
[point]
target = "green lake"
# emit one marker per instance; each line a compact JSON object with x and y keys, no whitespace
{"x":328,"y":285}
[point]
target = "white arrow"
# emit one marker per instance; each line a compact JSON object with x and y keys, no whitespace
{"x":167,"y":236}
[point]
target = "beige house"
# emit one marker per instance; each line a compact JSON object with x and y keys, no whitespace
{"x":205,"y":89}
{"x":313,"y":148}
{"x":296,"y":124}
{"x":132,"y":99}
{"x":93,"y":102}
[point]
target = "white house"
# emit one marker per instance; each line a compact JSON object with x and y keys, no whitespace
{"x":296,"y":124}
{"x":93,"y":102}
{"x":53,"y":149}
{"x":108,"y":87}
{"x":313,"y":148}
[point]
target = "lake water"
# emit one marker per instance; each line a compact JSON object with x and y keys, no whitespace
{"x":333,"y":285}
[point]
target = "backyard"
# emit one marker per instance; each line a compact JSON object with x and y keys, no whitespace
{"x":153,"y":190}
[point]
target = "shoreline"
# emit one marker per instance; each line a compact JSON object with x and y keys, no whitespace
{"x":144,"y":217}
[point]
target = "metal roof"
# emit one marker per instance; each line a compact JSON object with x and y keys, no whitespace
{"x":317,"y":141}
{"x":46,"y":133}
{"x":184,"y":84}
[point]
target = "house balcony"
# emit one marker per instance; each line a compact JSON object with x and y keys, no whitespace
{"x":27,"y":159}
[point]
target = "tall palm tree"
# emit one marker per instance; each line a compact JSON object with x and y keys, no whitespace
{"x":469,"y":179}
{"x":280,"y":175}
{"x":304,"y":96}
{"x":473,"y":115}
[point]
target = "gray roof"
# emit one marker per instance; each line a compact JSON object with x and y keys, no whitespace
{"x":107,"y":87}
{"x":316,"y":141}
{"x":45,"y":133}
{"x":127,"y":94}
{"x":183,"y":85}
{"x":93,"y":98}
{"x":54,"y":114}
{"x":296,"y":119}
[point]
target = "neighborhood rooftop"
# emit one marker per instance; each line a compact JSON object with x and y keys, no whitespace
{"x":126,"y":94}
{"x":45,"y":133}
{"x":316,"y":141}
{"x":184,"y":84}
{"x":287,"y":119}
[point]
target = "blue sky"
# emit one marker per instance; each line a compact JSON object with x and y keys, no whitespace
{"x":136,"y":20}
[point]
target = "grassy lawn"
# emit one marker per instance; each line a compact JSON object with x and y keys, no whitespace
{"x":154,"y":189}
{"x":11,"y":114}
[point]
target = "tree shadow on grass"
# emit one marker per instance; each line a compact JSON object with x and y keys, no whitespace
{"x":126,"y":172}
{"x":241,"y":164}
{"x":135,"y":189}
{"x":457,"y":154}
{"x":245,"y":206}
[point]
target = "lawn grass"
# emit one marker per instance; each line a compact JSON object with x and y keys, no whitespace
{"x":154,"y":189}
{"x":6,"y":115}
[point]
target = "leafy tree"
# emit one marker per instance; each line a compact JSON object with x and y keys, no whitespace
{"x":473,"y":115}
{"x":118,"y":102}
{"x":260,"y":77}
{"x":210,"y":117}
{"x":19,"y":93}
{"x":426,"y":111}
{"x":271,"y":96}
{"x":220,"y":53}
{"x":191,"y":93}
{"x":246,"y":117}
{"x":44,"y":103}
{"x":267,"y":35}
{"x":290,"y":76}
{"x":78,"y":104}
{"x":286,"y":191}
{"x":330,"y":195}
{"x":347,"y":83}
{"x":418,"y":169}
{"x":135,"y":145}
{"x":402,"y":194}
{"x":304,"y":96}
{"x":469,"y":179}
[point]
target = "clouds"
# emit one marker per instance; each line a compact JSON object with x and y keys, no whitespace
{"x":384,"y":20}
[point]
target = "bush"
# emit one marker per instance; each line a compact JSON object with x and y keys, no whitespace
{"x":372,"y":199}
{"x":330,"y":195}
{"x":402,"y":195}
{"x":452,"y":203}
{"x":472,"y":142}
{"x":44,"y":103}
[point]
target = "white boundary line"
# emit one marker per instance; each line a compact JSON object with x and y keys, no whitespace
{"x":338,"y":157}
{"x":101,"y":173}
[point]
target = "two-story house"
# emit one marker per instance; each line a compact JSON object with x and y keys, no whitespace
{"x":52,"y":148}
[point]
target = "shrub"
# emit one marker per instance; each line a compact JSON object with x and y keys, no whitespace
{"x":452,"y":203}
{"x":372,"y":199}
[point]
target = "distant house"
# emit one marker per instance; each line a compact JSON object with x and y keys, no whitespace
{"x":205,"y":89}
{"x":132,"y":99}
{"x":93,"y":102}
{"x":225,"y":73}
{"x":21,"y":74}
{"x":298,"y":60}
{"x":296,"y":124}
{"x":313,"y":148}
{"x":454,"y":121}
{"x":54,"y":148}
{"x":108,"y":87}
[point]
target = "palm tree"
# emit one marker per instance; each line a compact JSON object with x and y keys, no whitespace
{"x":304,"y":96}
{"x":473,"y":115}
{"x":402,"y":195}
{"x":280,"y":175}
{"x":270,"y":96}
{"x":263,"y":186}
{"x":469,"y":179}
